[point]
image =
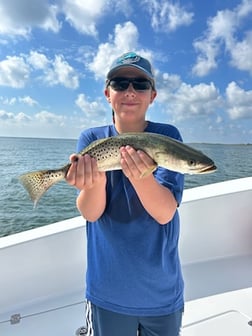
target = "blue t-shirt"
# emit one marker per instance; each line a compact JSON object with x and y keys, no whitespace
{"x":133,"y":262}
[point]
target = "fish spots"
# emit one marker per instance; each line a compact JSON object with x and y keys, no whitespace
{"x":103,"y":152}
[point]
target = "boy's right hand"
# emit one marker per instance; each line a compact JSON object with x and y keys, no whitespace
{"x":84,"y":173}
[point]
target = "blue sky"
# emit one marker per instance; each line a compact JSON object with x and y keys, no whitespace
{"x":54,"y":56}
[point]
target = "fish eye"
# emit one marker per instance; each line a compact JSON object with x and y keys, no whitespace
{"x":192,"y":162}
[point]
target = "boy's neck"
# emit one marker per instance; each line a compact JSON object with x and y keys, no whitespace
{"x":134,"y":127}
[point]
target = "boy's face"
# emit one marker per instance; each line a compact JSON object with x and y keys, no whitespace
{"x":130,"y":104}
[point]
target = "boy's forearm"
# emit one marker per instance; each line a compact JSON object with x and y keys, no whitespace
{"x":91,"y":202}
{"x":157,"y":200}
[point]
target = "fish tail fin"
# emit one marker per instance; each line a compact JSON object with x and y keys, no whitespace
{"x":38,"y":182}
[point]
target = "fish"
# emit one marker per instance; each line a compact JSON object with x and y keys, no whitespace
{"x":165,"y":151}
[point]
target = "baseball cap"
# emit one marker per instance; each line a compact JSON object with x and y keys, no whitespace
{"x":131,"y":59}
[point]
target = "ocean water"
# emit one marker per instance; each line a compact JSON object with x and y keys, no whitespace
{"x":20,"y":155}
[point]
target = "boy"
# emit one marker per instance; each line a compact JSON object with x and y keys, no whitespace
{"x":134,"y":280}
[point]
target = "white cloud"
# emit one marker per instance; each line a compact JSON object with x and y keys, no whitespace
{"x":8,"y":101}
{"x":241,"y":54}
{"x":13,"y":100}
{"x":38,"y":60}
{"x":244,"y":8}
{"x":55,"y":72}
{"x":60,"y":72}
{"x":167,"y":15}
{"x":183,"y":101}
{"x":206,"y":60}
{"x":22,"y":117}
{"x":125,"y":39}
{"x":28,"y":101}
{"x":92,"y":109}
{"x":239,"y":102}
{"x":198,"y":100}
{"x":50,"y":21}
{"x":41,"y":118}
{"x":14,"y":72}
{"x":6,"y":115}
{"x":10,"y":117}
{"x":167,"y":84}
{"x":45,"y":124}
{"x":222,"y":35}
{"x":50,"y":118}
{"x":19,"y":17}
{"x":83,"y":15}
{"x":41,"y":124}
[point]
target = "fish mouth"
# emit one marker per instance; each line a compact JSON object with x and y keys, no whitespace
{"x":208,"y":169}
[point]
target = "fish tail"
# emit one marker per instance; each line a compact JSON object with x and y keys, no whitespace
{"x":38,"y":182}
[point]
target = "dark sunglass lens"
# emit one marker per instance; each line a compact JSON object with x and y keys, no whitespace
{"x":141,"y":85}
{"x":121,"y":84}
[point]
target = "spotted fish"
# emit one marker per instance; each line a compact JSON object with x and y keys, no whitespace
{"x":165,"y":152}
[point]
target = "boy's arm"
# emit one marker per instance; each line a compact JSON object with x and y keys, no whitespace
{"x":84,"y":175}
{"x":157,"y":200}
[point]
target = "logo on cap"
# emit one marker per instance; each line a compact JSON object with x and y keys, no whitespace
{"x":128,"y":58}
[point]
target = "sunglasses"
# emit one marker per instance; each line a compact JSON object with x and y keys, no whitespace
{"x":122,"y":83}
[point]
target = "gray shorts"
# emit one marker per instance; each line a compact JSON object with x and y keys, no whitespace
{"x":101,"y":322}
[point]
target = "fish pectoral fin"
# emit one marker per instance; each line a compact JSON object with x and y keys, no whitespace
{"x":149,"y":171}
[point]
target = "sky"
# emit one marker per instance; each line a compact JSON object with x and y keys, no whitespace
{"x":54,"y":56}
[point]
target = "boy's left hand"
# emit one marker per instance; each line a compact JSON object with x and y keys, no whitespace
{"x":136,"y":164}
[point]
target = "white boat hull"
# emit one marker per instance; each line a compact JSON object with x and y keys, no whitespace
{"x":43,"y":270}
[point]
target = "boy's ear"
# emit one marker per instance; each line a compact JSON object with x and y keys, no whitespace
{"x":153,"y":96}
{"x":107,"y":94}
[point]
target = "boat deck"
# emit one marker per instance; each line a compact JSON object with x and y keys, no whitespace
{"x":228,"y":313}
{"x":222,"y":314}
{"x":43,"y":270}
